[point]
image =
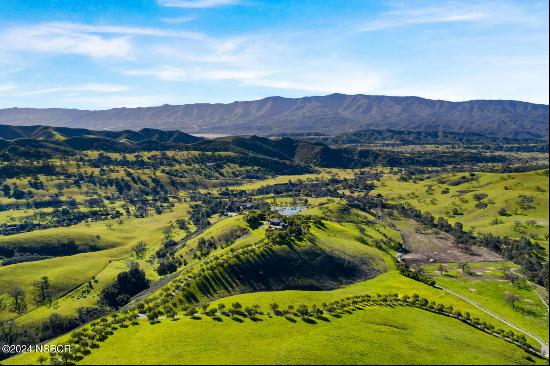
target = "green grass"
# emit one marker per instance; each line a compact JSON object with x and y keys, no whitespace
{"x":67,"y":304}
{"x":338,"y":211}
{"x":324,"y":173}
{"x":389,"y":282}
{"x":341,"y":240}
{"x":488,"y":288}
{"x":218,"y":229}
{"x":67,"y":273}
{"x":376,"y":335}
{"x":503,"y":190}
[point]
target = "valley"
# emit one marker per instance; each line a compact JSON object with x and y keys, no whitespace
{"x":298,"y":251}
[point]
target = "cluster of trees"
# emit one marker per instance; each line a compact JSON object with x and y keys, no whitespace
{"x":43,"y":292}
{"x":395,"y":158}
{"x":58,"y":248}
{"x":526,"y":202}
{"x":13,"y":170}
{"x":126,"y":285}
{"x":83,"y":340}
{"x":326,"y":188}
{"x":208,"y":204}
{"x":35,"y":183}
{"x":61,"y":217}
{"x":416,"y":274}
{"x":255,"y":218}
{"x":15,"y":192}
{"x":52,"y":201}
{"x":463,"y":179}
{"x":54,"y":326}
{"x":17,"y":297}
{"x":293,"y":228}
{"x":361,"y":182}
{"x":166,"y":254}
{"x":393,"y":137}
{"x":23,"y":257}
{"x":263,"y":166}
{"x":134,"y":186}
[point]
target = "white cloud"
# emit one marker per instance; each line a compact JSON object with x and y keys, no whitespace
{"x":98,"y":41}
{"x":196,"y":3}
{"x":409,"y":13}
{"x":54,"y":40}
{"x":7,"y":87}
{"x":117,"y":29}
{"x":174,"y":73}
{"x":178,"y":20}
{"x":337,"y":78}
{"x":118,"y":101}
{"x":403,"y":16}
{"x":94,"y":88}
{"x":166,"y":73}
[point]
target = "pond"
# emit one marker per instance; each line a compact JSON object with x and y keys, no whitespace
{"x":287,"y":211}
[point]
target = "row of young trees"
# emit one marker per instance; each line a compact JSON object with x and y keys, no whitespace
{"x":239,"y":261}
{"x":85,"y":339}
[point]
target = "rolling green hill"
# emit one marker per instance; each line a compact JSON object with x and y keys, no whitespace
{"x":512,"y":204}
{"x":360,"y":338}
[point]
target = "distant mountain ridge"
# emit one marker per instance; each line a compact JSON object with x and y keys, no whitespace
{"x":331,"y":114}
{"x":63,"y":133}
{"x":283,"y":155}
{"x":46,"y":141}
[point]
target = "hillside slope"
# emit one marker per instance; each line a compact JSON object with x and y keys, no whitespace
{"x":333,"y":113}
{"x":361,"y":338}
{"x":8,"y":132}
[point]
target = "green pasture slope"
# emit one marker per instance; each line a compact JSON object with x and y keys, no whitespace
{"x":374,"y":335}
{"x":487,"y":287}
{"x":68,"y":274}
{"x":415,"y":336}
{"x":504,"y":191}
{"x":328,"y":258}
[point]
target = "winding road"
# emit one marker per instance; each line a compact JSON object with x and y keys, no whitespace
{"x":543,"y":345}
{"x":544,"y":350}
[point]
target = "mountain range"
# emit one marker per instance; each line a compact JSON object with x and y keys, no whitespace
{"x":331,"y":114}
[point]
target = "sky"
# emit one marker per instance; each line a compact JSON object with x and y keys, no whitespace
{"x":130,"y":53}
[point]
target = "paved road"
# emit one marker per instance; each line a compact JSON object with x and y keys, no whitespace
{"x":543,"y":345}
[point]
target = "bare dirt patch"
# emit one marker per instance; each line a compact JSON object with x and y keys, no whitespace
{"x":433,"y":246}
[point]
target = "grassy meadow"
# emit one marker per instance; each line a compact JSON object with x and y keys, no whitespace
{"x":441,"y":197}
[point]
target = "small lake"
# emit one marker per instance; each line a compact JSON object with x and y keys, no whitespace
{"x":287,"y":211}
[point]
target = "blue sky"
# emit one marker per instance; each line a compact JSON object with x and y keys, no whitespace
{"x":102,"y":54}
